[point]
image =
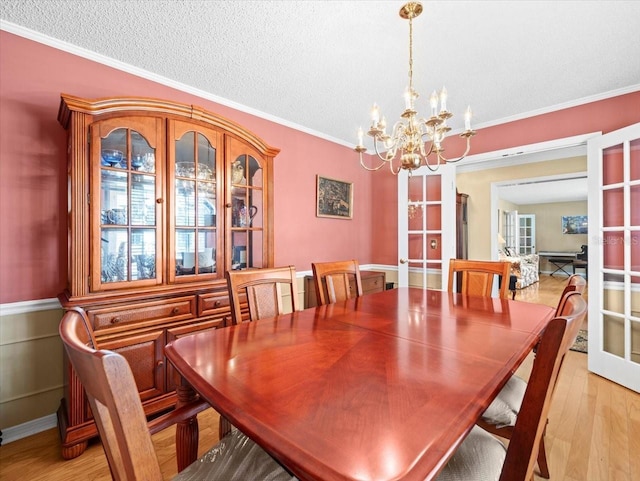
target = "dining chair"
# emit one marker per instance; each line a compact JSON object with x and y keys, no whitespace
{"x":575,"y":283}
{"x":477,"y":276}
{"x":263,"y":291}
{"x":502,"y":414}
{"x":122,"y":424}
{"x":332,"y":280}
{"x":483,"y":456}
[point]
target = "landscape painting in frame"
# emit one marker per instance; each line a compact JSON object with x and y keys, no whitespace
{"x":334,"y":198}
{"x":574,"y":224}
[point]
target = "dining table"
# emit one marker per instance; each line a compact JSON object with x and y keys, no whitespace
{"x":380,"y":387}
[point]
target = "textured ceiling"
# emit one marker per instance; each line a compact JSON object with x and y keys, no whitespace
{"x":319,"y":65}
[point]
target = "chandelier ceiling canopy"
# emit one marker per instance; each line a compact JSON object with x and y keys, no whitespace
{"x":406,"y":146}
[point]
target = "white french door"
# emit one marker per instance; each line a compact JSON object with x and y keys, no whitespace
{"x":426,"y":226}
{"x":614,"y":256}
{"x":526,"y":240}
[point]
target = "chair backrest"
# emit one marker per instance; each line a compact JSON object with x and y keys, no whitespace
{"x":575,"y":283}
{"x":557,"y":338}
{"x":332,"y":280}
{"x":114,"y":400}
{"x":263,"y":290}
{"x":477,"y":276}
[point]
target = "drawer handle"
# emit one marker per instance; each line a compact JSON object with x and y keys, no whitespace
{"x":115,"y":320}
{"x":217,"y":304}
{"x":175,"y":310}
{"x":160,"y":364}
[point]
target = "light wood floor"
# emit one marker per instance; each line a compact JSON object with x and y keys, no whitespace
{"x":593,"y":432}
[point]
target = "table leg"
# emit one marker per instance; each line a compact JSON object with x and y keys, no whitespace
{"x":187,"y":431}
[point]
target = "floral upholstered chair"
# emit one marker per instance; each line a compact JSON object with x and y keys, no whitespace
{"x":524,"y":267}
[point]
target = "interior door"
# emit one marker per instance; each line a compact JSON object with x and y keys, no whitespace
{"x":511,"y":231}
{"x":614,"y":256}
{"x":526,"y":234}
{"x":426,"y":226}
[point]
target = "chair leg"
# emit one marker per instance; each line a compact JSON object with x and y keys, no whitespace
{"x":542,"y":458}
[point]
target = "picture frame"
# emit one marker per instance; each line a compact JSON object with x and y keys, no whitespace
{"x":574,"y":224}
{"x":334,"y":198}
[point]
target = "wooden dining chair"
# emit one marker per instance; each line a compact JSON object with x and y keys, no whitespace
{"x":483,"y":456}
{"x":263,"y":291}
{"x":575,"y":283}
{"x":332,"y":280}
{"x":502,"y":414}
{"x":478,"y":276}
{"x":122,"y":425}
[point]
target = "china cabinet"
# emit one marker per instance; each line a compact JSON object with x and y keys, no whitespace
{"x":164,"y":198}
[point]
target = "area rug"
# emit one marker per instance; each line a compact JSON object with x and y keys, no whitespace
{"x":581,"y":342}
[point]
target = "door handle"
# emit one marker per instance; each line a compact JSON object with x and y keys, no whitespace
{"x":403,"y":261}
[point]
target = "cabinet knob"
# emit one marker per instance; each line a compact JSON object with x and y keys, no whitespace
{"x":175,"y":310}
{"x":115,"y":320}
{"x":217,"y":304}
{"x":160,"y":363}
{"x":228,"y":206}
{"x":159,"y":201}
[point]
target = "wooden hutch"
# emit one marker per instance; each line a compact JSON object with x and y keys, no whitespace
{"x":164,"y":198}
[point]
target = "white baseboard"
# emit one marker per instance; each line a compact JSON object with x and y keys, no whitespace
{"x":29,"y":428}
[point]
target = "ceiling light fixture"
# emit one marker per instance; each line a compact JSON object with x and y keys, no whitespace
{"x":409,"y":135}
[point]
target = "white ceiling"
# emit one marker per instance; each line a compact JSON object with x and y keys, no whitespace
{"x":320,"y":65}
{"x":544,"y":192}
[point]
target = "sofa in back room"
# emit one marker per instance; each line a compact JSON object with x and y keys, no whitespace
{"x":524,"y":267}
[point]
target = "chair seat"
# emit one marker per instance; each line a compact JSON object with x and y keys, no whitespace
{"x":235,"y":458}
{"x":504,"y":409}
{"x":480,"y":457}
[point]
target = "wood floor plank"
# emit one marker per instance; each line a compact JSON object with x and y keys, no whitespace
{"x":633,"y":412}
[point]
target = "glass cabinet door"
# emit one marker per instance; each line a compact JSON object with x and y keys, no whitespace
{"x":194,"y":224}
{"x":126,"y":212}
{"x":247,"y":207}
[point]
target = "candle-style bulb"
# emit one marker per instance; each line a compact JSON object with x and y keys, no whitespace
{"x":433,"y":101}
{"x":467,"y":119}
{"x":375,"y":115}
{"x":407,"y":99}
{"x":443,"y":99}
{"x":360,"y":137}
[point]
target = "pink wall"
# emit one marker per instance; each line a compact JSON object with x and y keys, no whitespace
{"x":33,"y":185}
{"x":33,"y":193}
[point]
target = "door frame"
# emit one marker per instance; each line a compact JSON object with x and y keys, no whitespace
{"x":518,"y":155}
{"x":495,"y":195}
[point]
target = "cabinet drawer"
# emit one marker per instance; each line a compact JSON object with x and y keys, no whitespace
{"x":372,"y":283}
{"x":148,"y":314}
{"x":216,"y":304}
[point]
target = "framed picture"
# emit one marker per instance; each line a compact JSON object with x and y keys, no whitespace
{"x":574,"y":224}
{"x":334,"y":198}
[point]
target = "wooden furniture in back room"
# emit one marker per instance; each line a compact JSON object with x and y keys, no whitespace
{"x":164,"y":198}
{"x":372,"y":281}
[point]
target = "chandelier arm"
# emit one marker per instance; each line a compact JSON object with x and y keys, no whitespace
{"x":371,"y":169}
{"x":445,"y":160}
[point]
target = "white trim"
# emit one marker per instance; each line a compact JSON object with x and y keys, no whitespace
{"x":29,"y":428}
{"x":25,"y":307}
{"x":524,"y":154}
{"x":139,"y":72}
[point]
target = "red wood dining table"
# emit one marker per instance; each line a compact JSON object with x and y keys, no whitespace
{"x":380,"y":387}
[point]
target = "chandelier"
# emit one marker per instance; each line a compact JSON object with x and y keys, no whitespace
{"x":410,"y":134}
